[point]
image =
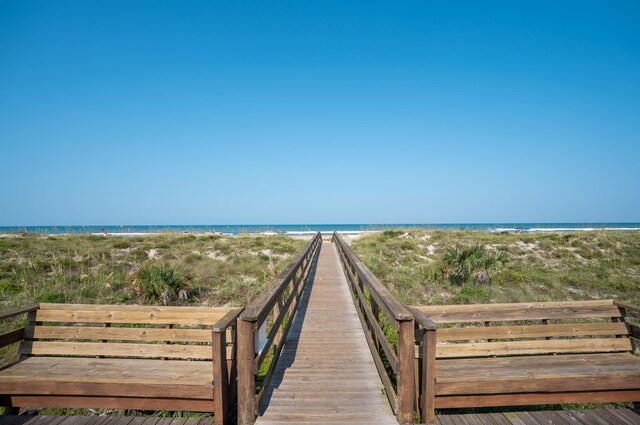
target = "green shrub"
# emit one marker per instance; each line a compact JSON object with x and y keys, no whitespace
{"x":122,"y":244}
{"x":470,"y":264}
{"x":159,"y":283}
{"x":9,"y":288}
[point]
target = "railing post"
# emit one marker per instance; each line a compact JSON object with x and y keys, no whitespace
{"x":376,"y":316}
{"x":406,"y":372}
{"x":220,"y":377}
{"x":247,"y":408}
{"x":428,"y":377}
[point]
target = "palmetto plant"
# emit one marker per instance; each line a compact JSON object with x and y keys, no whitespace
{"x":159,"y":283}
{"x":470,"y":264}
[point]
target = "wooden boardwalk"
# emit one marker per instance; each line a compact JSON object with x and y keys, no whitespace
{"x":558,"y":417}
{"x":553,"y":417}
{"x":326,"y":373}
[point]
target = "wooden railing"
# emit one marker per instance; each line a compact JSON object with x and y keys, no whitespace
{"x":376,"y":307}
{"x":277,"y":303}
{"x":426,"y":339}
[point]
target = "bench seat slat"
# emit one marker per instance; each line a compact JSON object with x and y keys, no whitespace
{"x":55,"y":348}
{"x":537,"y":373}
{"x":583,"y":345}
{"x":155,"y":315}
{"x":531,"y":331}
{"x":446,"y":314}
{"x":108,"y":377}
{"x":107,"y":371}
{"x":513,"y":306}
{"x":115,"y":402}
{"x":138,"y":308}
{"x":118,"y":334}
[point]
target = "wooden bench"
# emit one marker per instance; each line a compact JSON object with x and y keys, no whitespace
{"x":526,"y":354}
{"x":122,"y":357}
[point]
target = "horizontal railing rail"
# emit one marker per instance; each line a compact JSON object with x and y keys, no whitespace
{"x":15,"y":335}
{"x":376,"y":305}
{"x":278,"y":302}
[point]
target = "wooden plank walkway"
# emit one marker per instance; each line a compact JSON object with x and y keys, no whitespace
{"x":555,"y":417}
{"x":326,"y":372}
{"x":101,"y":420}
{"x":558,"y":417}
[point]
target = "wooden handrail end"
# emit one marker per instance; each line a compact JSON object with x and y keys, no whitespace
{"x":19,"y":311}
{"x":627,"y":306}
{"x":226,"y":320}
{"x":423,"y":320}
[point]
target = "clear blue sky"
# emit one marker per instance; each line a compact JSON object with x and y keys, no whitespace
{"x":212,"y":112}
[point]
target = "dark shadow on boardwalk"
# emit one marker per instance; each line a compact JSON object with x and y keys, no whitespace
{"x":291,"y":341}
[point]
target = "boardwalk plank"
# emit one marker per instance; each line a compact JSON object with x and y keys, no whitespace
{"x":528,"y":419}
{"x":630,"y":416}
{"x":326,"y":376}
{"x":613,"y":419}
{"x":514,"y":418}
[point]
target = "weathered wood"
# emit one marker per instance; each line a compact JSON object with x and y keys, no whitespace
{"x":394,"y":310}
{"x":256,"y":311}
{"x":246,"y":373}
{"x":429,"y":376}
{"x":11,"y":337}
{"x":529,"y":399}
{"x":292,"y":278}
{"x":17,"y":312}
{"x":74,"y":366}
{"x":627,"y":306}
{"x":170,"y":404}
{"x":386,"y":381}
{"x":146,"y":315}
{"x":220,"y":377}
{"x":118,"y":334}
{"x":483,"y":349}
{"x":377,"y":331}
{"x":226,"y":320}
{"x":448,"y":315}
{"x":531,"y":331}
{"x":406,"y":394}
{"x":401,"y":319}
{"x":424,"y":322}
{"x":325,"y":373}
{"x":55,"y":348}
{"x":130,"y":389}
{"x":488,"y":372}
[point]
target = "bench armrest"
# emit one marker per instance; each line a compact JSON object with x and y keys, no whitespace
{"x":17,"y":312}
{"x":15,"y":335}
{"x":423,"y":320}
{"x":627,"y":306}
{"x":227,"y":319}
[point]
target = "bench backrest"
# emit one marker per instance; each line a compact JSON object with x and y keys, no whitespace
{"x":83,"y":330}
{"x":484,"y":330}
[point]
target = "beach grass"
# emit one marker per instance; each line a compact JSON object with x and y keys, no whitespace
{"x":175,"y":269}
{"x":535,"y":267}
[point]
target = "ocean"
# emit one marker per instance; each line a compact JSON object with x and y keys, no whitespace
{"x":305,"y":229}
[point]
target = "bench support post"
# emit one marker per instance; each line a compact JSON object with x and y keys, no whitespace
{"x":428,"y":376}
{"x":406,"y":374}
{"x":246,"y":373}
{"x":220,"y":378}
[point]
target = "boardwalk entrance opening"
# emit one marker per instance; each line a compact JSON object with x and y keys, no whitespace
{"x":320,"y":366}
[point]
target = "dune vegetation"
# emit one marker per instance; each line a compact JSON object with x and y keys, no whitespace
{"x":464,"y":267}
{"x":176,"y":269}
{"x":154,"y":269}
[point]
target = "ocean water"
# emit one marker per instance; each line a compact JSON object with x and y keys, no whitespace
{"x":304,"y":229}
